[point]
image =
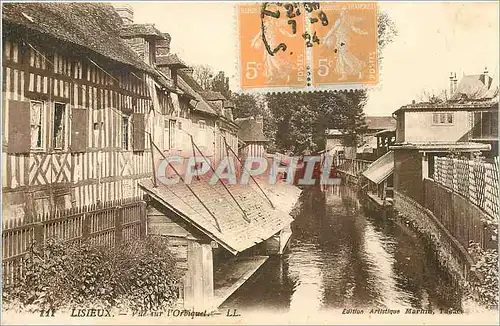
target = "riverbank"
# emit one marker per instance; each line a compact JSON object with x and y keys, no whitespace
{"x":343,"y":257}
{"x":448,"y":252}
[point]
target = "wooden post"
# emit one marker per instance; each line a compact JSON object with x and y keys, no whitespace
{"x":144,"y":220}
{"x":425,"y":166}
{"x":153,"y":160}
{"x":85,"y":227}
{"x":199,"y":282}
{"x":118,"y":225}
{"x":38,"y":234}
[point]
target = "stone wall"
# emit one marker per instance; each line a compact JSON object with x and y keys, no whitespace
{"x":449,"y":251}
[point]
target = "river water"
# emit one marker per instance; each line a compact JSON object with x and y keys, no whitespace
{"x":342,"y":255}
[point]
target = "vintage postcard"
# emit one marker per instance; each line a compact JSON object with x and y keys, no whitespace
{"x":250,"y":163}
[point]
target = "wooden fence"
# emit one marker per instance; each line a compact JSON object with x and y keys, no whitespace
{"x":106,"y":224}
{"x":465,"y":221}
{"x":351,"y":166}
{"x":476,"y":181}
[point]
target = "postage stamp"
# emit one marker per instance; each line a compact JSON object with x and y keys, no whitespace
{"x":272,"y":52}
{"x":307,"y":46}
{"x":348,"y":51}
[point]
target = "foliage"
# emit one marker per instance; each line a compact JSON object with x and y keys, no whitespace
{"x":433,"y":98}
{"x":203,"y":74}
{"x":220,"y":83}
{"x":139,"y":276}
{"x":302,"y":118}
{"x":386,"y":29}
{"x":208,"y":80}
{"x":486,"y":267}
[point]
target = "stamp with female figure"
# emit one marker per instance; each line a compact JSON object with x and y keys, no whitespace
{"x":348,"y":52}
{"x":272,"y":53}
{"x":294,"y":46}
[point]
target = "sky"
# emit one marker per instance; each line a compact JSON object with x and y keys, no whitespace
{"x":434,"y":39}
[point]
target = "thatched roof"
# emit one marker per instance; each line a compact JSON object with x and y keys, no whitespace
{"x":190,"y":80}
{"x":250,"y":130}
{"x":213,"y":96}
{"x":171,"y":60}
{"x":94,"y":26}
{"x":199,"y":104}
{"x":142,"y":30}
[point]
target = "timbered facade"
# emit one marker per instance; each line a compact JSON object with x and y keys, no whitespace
{"x":79,"y":105}
{"x":73,"y":135}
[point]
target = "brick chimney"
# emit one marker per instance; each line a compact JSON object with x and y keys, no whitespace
{"x":125,"y":12}
{"x":163,"y":45}
{"x":453,"y":83}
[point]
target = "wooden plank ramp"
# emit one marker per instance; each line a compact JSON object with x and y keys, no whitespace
{"x":230,"y":277}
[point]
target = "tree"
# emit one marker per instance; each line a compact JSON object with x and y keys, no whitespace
{"x":245,"y":105}
{"x":431,"y":97}
{"x":386,"y":29}
{"x":220,"y":83}
{"x":302,"y":118}
{"x":203,"y":74}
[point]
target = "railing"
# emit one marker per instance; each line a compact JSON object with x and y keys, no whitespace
{"x":107,"y":224}
{"x":464,"y":220}
{"x":476,"y":181}
{"x":351,"y":166}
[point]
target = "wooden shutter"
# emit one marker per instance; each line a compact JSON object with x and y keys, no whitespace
{"x":138,"y":131}
{"x":79,"y":127}
{"x":19,"y":138}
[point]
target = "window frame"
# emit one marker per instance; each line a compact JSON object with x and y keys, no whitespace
{"x":441,"y":118}
{"x":202,"y":124}
{"x":43,"y":127}
{"x":125,"y":143}
{"x":64,"y":122}
{"x":172,"y":139}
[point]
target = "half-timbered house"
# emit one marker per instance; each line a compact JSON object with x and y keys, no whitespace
{"x":76,"y":99}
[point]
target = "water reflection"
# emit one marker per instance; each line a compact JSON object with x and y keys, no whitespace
{"x":345,"y":256}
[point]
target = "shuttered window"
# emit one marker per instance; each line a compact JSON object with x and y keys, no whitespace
{"x":79,"y":125}
{"x":19,"y":137}
{"x":138,"y":129}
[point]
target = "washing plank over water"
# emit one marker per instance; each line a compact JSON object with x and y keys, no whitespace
{"x":232,"y":275}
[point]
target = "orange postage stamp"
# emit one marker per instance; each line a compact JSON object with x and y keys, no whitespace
{"x":294,"y":46}
{"x":347,"y":51}
{"x":271,"y":49}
